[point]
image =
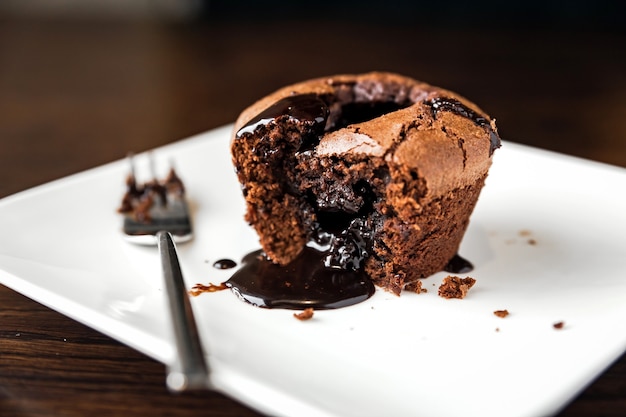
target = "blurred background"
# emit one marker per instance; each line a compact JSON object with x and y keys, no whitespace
{"x":84,"y":82}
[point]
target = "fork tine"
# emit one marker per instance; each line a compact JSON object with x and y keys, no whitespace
{"x":131,"y":163}
{"x":152,"y":167}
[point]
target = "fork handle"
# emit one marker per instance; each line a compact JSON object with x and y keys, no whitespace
{"x":189,"y":369}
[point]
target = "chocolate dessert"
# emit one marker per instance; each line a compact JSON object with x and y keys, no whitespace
{"x":377,"y":173}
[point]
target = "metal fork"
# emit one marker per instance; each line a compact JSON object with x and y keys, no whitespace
{"x":163,"y":219}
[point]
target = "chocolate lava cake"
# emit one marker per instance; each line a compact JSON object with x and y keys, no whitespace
{"x":379,"y":171}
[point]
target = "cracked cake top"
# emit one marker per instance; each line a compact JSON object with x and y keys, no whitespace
{"x":441,"y":135}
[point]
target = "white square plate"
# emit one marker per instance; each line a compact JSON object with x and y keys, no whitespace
{"x":548,"y":239}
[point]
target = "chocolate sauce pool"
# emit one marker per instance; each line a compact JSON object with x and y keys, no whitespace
{"x":306,"y":282}
{"x":303,"y":283}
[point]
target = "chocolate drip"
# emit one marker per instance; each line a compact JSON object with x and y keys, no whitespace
{"x":458,"y":265}
{"x":308,"y":108}
{"x":452,"y":105}
{"x":224,"y":264}
{"x":303,"y":283}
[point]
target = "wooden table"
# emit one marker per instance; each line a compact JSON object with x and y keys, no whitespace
{"x":76,"y":94}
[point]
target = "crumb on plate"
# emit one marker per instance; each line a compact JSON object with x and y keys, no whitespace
{"x":198,"y":289}
{"x":501,"y":313}
{"x":455,"y":287}
{"x":306,"y":314}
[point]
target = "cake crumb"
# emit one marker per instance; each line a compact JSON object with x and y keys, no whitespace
{"x":532,"y":242}
{"x":455,"y":287}
{"x":198,"y":289}
{"x":306,"y":314}
{"x":559,"y":325}
{"x":524,"y":232}
{"x":497,"y":329}
{"x":501,"y":313}
{"x":415,"y":286}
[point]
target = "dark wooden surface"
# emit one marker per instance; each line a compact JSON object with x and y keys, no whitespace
{"x":75,"y":94}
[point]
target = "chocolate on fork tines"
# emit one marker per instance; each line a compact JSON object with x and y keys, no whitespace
{"x":154,"y":205}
